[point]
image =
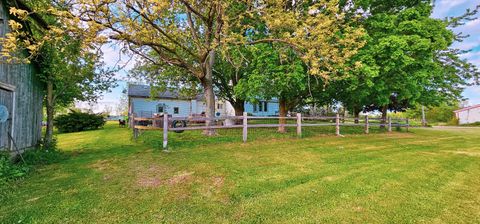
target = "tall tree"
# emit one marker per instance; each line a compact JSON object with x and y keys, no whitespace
{"x":231,"y":67}
{"x":407,"y":57}
{"x":188,"y":34}
{"x":69,"y":76}
{"x":276,"y":73}
{"x":69,"y":70}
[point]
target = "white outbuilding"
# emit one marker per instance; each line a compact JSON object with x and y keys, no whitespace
{"x":468,"y":115}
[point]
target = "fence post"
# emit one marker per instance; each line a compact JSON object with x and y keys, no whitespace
{"x":245,"y":126}
{"x":132,"y":125}
{"x":424,"y":121}
{"x":337,"y":125}
{"x":299,"y":125}
{"x":408,"y":124}
{"x":135,"y":133}
{"x":165,"y":131}
{"x":389,"y":124}
{"x":366,"y":125}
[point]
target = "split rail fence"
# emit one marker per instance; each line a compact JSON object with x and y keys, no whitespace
{"x":167,"y":123}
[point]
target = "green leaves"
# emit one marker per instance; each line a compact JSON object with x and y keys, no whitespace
{"x":276,"y":72}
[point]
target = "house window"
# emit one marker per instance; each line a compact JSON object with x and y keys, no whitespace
{"x":265,"y":106}
{"x":219,"y":106}
{"x":254,"y":107}
{"x":176,"y":110}
{"x":260,"y":106}
{"x":160,"y":108}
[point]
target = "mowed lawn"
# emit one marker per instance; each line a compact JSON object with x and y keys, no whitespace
{"x":425,"y":176}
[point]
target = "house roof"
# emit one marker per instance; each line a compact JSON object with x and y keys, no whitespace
{"x":144,"y":91}
{"x":467,"y":108}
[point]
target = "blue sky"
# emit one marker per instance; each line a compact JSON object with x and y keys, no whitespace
{"x":443,"y":8}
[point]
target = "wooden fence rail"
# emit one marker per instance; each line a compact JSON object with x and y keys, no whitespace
{"x":164,"y":124}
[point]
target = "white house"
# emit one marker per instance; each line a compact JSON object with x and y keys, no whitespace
{"x":141,"y":104}
{"x":468,"y":115}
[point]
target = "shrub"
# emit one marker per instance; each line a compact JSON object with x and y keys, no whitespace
{"x":453,"y":121}
{"x":79,"y":121}
{"x":10,"y":170}
{"x":37,"y":157}
{"x":476,"y":124}
{"x":51,"y":146}
{"x":15,"y":168}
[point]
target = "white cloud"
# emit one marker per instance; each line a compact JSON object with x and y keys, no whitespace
{"x":113,"y":57}
{"x":471,"y":55}
{"x":444,"y":8}
{"x":466,"y":45}
{"x":474,"y":24}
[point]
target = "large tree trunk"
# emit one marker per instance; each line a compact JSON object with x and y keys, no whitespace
{"x":356,"y":114}
{"x":384,"y":116}
{"x":239,"y":107}
{"x":50,"y":106}
{"x":282,"y":113}
{"x":207,"y":83}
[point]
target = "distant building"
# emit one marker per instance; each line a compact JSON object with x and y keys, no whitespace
{"x":141,"y":104}
{"x":468,"y":115}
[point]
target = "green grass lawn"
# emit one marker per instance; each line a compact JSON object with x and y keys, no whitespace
{"x":426,"y":176}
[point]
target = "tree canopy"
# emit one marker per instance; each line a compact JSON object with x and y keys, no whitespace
{"x":365,"y":54}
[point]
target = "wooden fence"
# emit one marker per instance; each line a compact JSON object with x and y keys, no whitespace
{"x":165,"y":124}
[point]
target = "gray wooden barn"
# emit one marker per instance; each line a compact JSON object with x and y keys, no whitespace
{"x":21,"y":93}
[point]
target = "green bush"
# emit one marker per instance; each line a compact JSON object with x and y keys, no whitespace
{"x":15,"y":168}
{"x":453,"y":121}
{"x":476,"y":124}
{"x":10,"y":170}
{"x":79,"y":121}
{"x":37,"y":157}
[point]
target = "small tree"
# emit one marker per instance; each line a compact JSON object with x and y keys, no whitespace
{"x":69,"y":76}
{"x":70,"y":70}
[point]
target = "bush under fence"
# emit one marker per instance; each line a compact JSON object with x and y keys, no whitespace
{"x":245,"y":125}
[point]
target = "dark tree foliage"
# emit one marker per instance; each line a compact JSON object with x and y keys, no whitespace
{"x":78,"y":121}
{"x":408,"y":59}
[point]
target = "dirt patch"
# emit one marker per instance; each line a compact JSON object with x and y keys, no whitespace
{"x":213,"y":189}
{"x":358,"y":209}
{"x":180,"y":178}
{"x":218,"y":182}
{"x":107,"y":177}
{"x":151,"y":176}
{"x":101,"y":165}
{"x":331,"y":178}
{"x":156,"y":176}
{"x":149,"y":182}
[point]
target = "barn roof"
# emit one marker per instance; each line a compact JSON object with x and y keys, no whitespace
{"x":467,"y":108}
{"x":144,"y":91}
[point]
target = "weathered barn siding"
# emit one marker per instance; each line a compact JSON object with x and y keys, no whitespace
{"x":27,"y":111}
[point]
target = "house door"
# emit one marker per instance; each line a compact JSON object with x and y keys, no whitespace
{"x":6,"y":99}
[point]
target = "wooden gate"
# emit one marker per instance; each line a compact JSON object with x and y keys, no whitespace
{"x":6,"y":99}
